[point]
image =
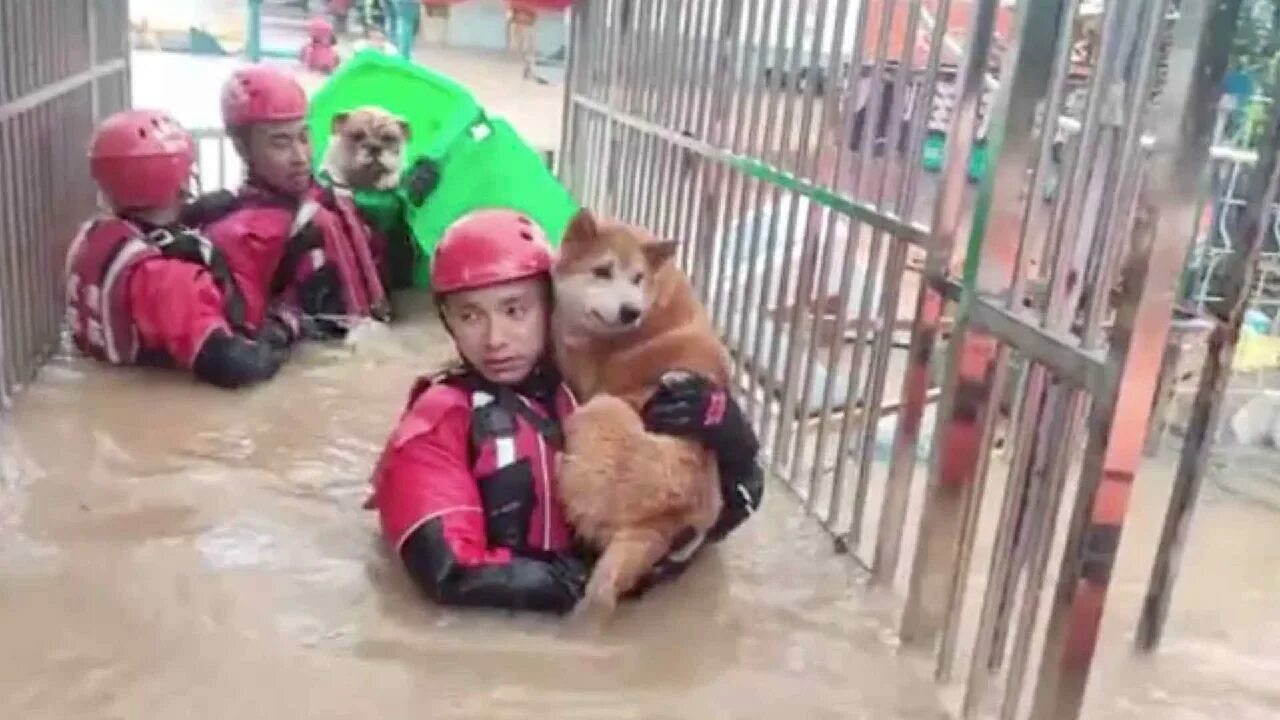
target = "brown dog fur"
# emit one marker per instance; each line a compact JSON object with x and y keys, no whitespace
{"x":366,"y":149}
{"x":627,"y":491}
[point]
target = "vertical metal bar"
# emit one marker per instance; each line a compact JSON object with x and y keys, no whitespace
{"x":760,"y":303}
{"x":1198,"y":58}
{"x":957,"y":464}
{"x":862,"y":158}
{"x":609,"y":38}
{"x":745,"y":239}
{"x":1251,"y":225}
{"x":824,"y":172}
{"x":848,"y":271}
{"x":693,"y":124}
{"x":687,"y":161}
{"x":898,"y":480}
{"x":95,"y":101}
{"x":1007,"y":558}
{"x":8,"y":265}
{"x":722,"y":305}
{"x":569,"y":109}
{"x":895,"y":265}
{"x":657,"y":28}
{"x":714,"y":176}
{"x":641,"y":50}
{"x":783,"y":141}
{"x":676,"y":86}
{"x":805,"y":165}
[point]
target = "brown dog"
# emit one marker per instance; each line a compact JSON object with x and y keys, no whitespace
{"x":624,"y":316}
{"x":366,"y":149}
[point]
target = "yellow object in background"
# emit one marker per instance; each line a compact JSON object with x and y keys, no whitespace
{"x":1255,"y":351}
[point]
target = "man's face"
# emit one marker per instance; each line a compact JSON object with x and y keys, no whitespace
{"x":500,"y":330}
{"x":279,"y":154}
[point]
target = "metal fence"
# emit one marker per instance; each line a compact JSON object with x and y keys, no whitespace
{"x":62,"y":65}
{"x":891,"y":328}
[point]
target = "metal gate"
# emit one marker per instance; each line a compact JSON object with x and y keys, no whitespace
{"x":879,"y":314}
{"x":63,"y":65}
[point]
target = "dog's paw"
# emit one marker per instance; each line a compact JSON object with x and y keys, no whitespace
{"x":593,"y":611}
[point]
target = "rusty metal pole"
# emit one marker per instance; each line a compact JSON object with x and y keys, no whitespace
{"x":1201,"y":43}
{"x":1251,"y":226}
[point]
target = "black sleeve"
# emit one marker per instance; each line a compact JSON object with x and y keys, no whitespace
{"x":550,"y":583}
{"x":232,"y":361}
{"x":742,"y":487}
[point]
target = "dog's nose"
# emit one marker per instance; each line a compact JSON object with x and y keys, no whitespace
{"x":373,"y":150}
{"x":628,"y":314}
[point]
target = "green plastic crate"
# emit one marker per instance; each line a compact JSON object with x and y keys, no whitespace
{"x":491,"y":167}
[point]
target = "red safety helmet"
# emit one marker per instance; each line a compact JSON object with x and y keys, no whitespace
{"x":320,"y":29}
{"x":262,"y":93}
{"x":141,"y":159}
{"x":487,"y":247}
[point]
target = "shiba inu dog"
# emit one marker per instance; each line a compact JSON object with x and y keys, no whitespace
{"x":625,"y":315}
{"x":366,"y":149}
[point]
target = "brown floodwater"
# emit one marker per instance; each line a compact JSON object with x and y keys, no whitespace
{"x":168,"y":550}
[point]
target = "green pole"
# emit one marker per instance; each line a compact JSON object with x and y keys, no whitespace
{"x":406,"y":23}
{"x":253,"y":37}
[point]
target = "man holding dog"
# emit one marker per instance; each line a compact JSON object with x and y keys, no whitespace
{"x":465,"y":487}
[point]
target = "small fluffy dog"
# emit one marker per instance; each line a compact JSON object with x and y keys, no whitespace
{"x":366,"y":149}
{"x":625,"y":315}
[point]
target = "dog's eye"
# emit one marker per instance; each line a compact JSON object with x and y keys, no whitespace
{"x":357,"y":136}
{"x":388,"y":139}
{"x":604,"y":272}
{"x":637,"y":278}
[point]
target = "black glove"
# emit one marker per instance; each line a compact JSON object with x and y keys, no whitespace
{"x":278,"y":333}
{"x":567,"y":569}
{"x":421,"y":180}
{"x":690,"y":406}
{"x":742,"y":494}
{"x":233,"y":361}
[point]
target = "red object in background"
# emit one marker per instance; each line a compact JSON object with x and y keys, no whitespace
{"x":320,"y":30}
{"x":339,"y":7}
{"x":535,"y":6}
{"x":319,"y":57}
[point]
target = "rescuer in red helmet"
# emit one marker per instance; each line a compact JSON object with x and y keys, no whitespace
{"x":144,"y":289}
{"x":288,"y":240}
{"x":465,"y":487}
{"x":320,"y":54}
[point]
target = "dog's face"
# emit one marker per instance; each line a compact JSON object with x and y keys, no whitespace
{"x":367,"y":148}
{"x":604,"y":276}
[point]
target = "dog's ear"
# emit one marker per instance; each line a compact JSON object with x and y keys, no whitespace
{"x":404,"y":128}
{"x":339,"y":122}
{"x":658,"y":252}
{"x":582,"y":230}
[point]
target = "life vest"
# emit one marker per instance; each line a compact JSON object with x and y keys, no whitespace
{"x":322,"y":231}
{"x":99,"y":264}
{"x":513,"y":448}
